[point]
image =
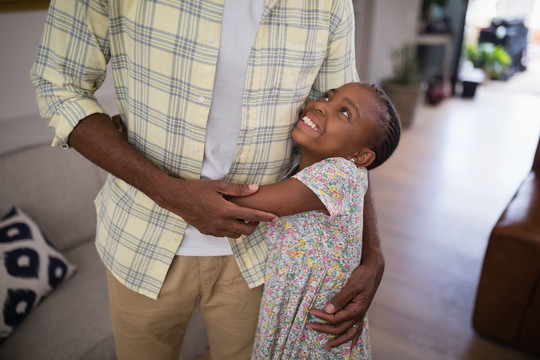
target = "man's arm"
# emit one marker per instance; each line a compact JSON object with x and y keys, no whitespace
{"x":349,"y":306}
{"x":199,"y":202}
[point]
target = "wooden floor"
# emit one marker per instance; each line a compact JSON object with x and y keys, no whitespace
{"x":437,"y":199}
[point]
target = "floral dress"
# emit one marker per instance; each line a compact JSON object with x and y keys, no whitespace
{"x":311,"y":256}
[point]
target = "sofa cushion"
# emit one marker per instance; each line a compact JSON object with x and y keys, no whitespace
{"x":55,"y":187}
{"x":73,"y":322}
{"x":31,"y":269}
{"x":46,"y":178}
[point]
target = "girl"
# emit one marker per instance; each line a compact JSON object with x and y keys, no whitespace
{"x":317,"y":242}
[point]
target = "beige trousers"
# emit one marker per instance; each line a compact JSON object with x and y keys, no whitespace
{"x":154,"y":329}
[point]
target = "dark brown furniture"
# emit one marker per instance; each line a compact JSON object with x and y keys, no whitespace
{"x":508,"y":299}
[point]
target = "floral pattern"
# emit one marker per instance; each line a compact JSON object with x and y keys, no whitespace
{"x":311,"y":256}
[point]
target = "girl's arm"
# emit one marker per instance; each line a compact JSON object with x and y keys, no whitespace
{"x":286,"y":197}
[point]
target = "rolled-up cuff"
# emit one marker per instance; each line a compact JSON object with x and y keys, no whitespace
{"x":68,"y":116}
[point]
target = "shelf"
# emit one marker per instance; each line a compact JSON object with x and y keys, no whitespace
{"x":445,"y":40}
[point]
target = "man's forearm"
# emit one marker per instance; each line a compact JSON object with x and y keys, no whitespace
{"x":349,"y":306}
{"x":96,"y":138}
{"x":199,"y":202}
{"x":371,"y":245}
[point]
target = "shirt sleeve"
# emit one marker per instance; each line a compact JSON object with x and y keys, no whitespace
{"x":339,"y":66}
{"x":71,"y":64}
{"x":337,"y":182}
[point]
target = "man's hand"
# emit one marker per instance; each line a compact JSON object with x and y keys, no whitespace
{"x":346,"y":310}
{"x":349,"y":306}
{"x":201,"y":204}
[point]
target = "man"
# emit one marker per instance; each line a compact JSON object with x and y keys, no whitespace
{"x":209,"y":91}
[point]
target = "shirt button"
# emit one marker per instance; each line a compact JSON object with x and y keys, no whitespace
{"x":195,"y":150}
{"x":211,"y":40}
{"x":173,"y":239}
{"x":202,"y":98}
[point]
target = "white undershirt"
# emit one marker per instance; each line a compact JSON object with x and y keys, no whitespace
{"x":240,"y":23}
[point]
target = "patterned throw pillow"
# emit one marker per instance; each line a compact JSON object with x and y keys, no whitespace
{"x":30,"y":268}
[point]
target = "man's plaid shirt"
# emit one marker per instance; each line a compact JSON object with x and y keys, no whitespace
{"x":163,"y":55}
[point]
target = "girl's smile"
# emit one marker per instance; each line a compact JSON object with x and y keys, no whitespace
{"x":310,"y":123}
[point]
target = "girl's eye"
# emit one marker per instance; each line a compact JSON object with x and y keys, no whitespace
{"x":325,"y":97}
{"x":346,"y":113}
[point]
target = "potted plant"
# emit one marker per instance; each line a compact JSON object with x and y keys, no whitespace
{"x":405,"y":88}
{"x":491,"y":58}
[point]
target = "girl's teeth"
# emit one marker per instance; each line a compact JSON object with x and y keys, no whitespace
{"x":308,"y":122}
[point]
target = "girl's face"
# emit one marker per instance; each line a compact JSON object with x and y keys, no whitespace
{"x":338,"y":124}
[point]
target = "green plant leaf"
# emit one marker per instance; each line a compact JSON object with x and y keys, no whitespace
{"x":404,"y":65}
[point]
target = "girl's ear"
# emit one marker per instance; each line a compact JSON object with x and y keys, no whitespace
{"x":364,"y":158}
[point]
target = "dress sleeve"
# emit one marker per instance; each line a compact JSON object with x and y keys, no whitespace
{"x":71,"y":63}
{"x":337,"y":182}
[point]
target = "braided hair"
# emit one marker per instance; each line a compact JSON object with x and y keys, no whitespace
{"x":390,"y":128}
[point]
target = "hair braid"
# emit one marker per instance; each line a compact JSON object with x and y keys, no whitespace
{"x":391,"y":133}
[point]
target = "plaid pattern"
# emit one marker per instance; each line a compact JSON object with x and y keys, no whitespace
{"x":163,"y":54}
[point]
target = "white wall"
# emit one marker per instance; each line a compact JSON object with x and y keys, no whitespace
{"x":395,"y":22}
{"x":20,"y":33}
{"x":19,"y":37}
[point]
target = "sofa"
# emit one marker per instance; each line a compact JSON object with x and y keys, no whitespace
{"x":55,"y":188}
{"x":507,"y":305}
